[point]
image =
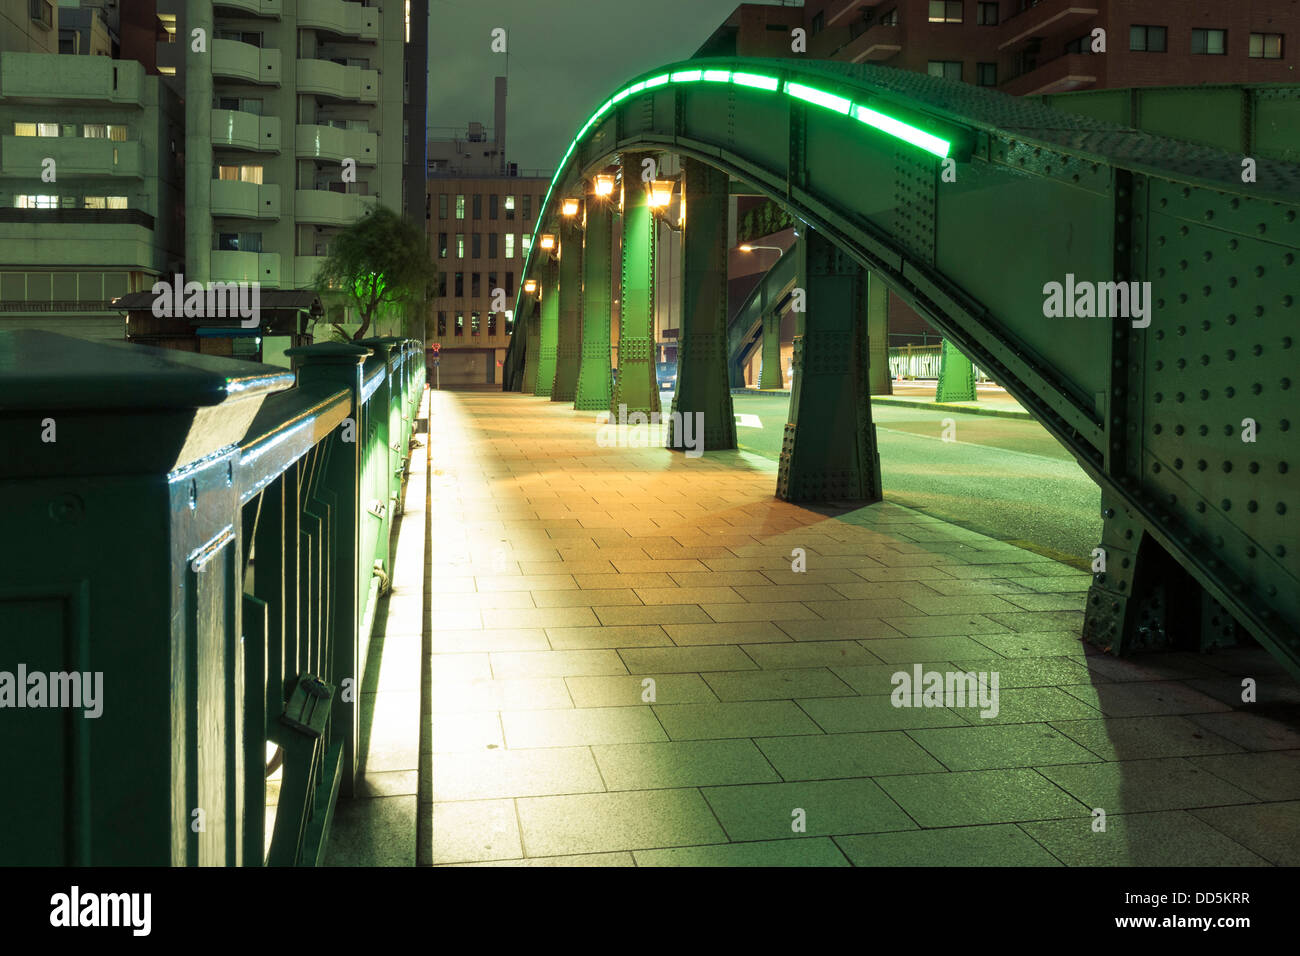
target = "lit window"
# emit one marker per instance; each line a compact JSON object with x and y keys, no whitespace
{"x":510,"y":207}
{"x":1211,"y":42}
{"x":1263,"y":46}
{"x":1146,"y":39}
{"x":460,"y":245}
{"x":24,"y":129}
{"x":948,"y":69}
{"x":986,"y":14}
{"x":945,"y":11}
{"x":460,"y":206}
{"x":510,"y":245}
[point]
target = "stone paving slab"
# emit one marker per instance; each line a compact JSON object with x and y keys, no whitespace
{"x":628,"y":669}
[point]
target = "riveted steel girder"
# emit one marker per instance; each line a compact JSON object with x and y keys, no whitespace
{"x":702,"y":386}
{"x":769,"y":375}
{"x":594,"y":378}
{"x":956,"y":376}
{"x":548,"y":327}
{"x":637,"y":387}
{"x":531,"y":330}
{"x":568,"y":340}
{"x":829,"y":449}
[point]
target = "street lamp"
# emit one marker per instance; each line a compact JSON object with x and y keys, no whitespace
{"x":746,"y":247}
{"x":604,"y":185}
{"x":530,"y":286}
{"x":548,"y":241}
{"x":661,"y":193}
{"x":570,"y":207}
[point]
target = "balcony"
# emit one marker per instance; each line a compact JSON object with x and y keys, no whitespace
{"x":258,"y":8}
{"x":92,"y":238}
{"x":263,"y":267}
{"x":338,"y":16}
{"x":235,"y":129}
{"x":84,"y":79}
{"x":305,"y":269}
{"x":330,"y":142}
{"x":1049,"y":18}
{"x":230,"y":197}
{"x":1074,"y":71}
{"x":326,"y":208}
{"x":233,"y":60}
{"x":327,"y":78}
{"x":22,"y":156}
{"x":839,"y":12}
{"x":878,"y":43}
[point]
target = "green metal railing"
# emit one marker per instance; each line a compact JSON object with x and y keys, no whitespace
{"x":202,"y":542}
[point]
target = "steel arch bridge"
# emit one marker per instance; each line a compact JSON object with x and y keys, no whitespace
{"x":967,"y":204}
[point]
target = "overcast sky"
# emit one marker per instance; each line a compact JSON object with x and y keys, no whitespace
{"x":565,"y":58}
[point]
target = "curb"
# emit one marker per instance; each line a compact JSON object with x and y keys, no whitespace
{"x":908,"y":403}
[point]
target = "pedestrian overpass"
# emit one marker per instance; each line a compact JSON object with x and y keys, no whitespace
{"x":968,"y":204}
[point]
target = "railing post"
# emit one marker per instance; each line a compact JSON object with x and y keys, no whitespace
{"x":339,"y":364}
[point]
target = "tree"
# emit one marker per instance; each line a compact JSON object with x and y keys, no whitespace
{"x":379,"y":261}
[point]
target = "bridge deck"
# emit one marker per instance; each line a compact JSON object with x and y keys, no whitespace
{"x":564,"y":573}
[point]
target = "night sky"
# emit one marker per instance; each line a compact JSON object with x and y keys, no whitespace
{"x":565,"y":58}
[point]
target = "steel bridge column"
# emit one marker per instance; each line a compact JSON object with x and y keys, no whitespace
{"x":878,"y":377}
{"x":702,"y":384}
{"x":569,"y":333}
{"x":594,"y":378}
{"x":769,"y":375}
{"x":548,"y":328}
{"x":829,"y":451}
{"x":530,"y":329}
{"x":637,"y":386}
{"x":956,"y":376}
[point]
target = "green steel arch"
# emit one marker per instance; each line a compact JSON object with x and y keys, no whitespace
{"x":1182,"y":417}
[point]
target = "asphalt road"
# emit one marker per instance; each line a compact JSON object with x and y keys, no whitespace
{"x":1007,"y":478}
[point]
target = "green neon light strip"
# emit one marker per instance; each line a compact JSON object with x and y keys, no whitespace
{"x":819,"y":97}
{"x":886,"y":124}
{"x":755,"y":80}
{"x":909,"y":134}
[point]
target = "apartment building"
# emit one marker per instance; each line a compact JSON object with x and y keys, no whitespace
{"x":481,"y":215}
{"x":296,"y":118}
{"x":29,"y":26}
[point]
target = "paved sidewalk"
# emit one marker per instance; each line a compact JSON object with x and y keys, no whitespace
{"x":627,"y":671}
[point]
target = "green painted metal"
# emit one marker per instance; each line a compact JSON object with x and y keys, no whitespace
{"x":595,"y":382}
{"x":703,"y":392}
{"x":637,"y":388}
{"x":1262,"y":121}
{"x":240,"y":493}
{"x":530,"y":333}
{"x":769,"y":375}
{"x":956,"y":376}
{"x":880,"y":382}
{"x":745,"y":330}
{"x":548,"y":327}
{"x":829,"y":449}
{"x":568,"y":347}
{"x":1075,"y":198}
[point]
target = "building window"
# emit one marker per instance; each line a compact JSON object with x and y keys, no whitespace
{"x":476,"y":245}
{"x":442,"y":245}
{"x":525,"y":243}
{"x":239,"y":242}
{"x":460,"y":245}
{"x":475,"y":284}
{"x":948,"y":69}
{"x":492,"y":283}
{"x":1081,"y":44}
{"x":473,"y":323}
{"x":510,"y":284}
{"x":478,"y":206}
{"x":442,"y":324}
{"x":528,"y":207}
{"x":36,"y":202}
{"x":510,"y":245}
{"x":42,"y":11}
{"x":493,"y":205}
{"x":945,"y":11}
{"x":1211,"y":42}
{"x":442,"y":285}
{"x":460,"y":323}
{"x":1145,"y":39}
{"x":460,"y":205}
{"x":818,"y":23}
{"x":510,"y":207}
{"x":492,"y":324}
{"x":890,"y":19}
{"x":115,"y":132}
{"x":986,"y":14}
{"x":460,"y":285}
{"x":986,"y":74}
{"x":442,"y":205}
{"x":492,"y":245}
{"x":1266,"y":46}
{"x":243,"y":174}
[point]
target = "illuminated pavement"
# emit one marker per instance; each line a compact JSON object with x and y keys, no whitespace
{"x":564,"y":574}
